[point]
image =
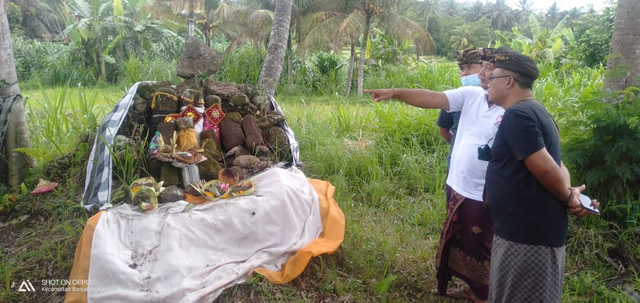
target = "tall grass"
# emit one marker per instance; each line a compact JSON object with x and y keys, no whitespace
{"x":242,"y":65}
{"x":48,"y":64}
{"x":58,"y":117}
{"x":147,"y":68}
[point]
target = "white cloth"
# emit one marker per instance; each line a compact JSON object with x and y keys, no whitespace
{"x":478,"y":126}
{"x":168,"y":255}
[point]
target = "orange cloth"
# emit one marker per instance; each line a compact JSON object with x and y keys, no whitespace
{"x":80,"y":269}
{"x":333,"y":224}
{"x":327,"y":243}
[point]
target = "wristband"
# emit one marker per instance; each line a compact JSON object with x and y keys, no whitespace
{"x":394,"y":93}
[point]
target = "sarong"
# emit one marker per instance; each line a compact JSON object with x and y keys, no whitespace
{"x":525,"y":273}
{"x":465,"y":245}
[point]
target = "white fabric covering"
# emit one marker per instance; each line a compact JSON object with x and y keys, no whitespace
{"x":168,"y":255}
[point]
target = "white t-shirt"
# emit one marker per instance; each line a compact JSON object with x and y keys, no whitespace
{"x":478,"y":126}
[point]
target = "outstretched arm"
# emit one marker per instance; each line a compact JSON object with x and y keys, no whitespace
{"x":423,"y":98}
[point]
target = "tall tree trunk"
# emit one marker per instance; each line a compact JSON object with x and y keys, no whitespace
{"x":365,"y":39}
{"x":426,"y":24}
{"x":289,"y":54}
{"x":352,"y":60}
{"x":623,"y":66}
{"x":103,"y":70}
{"x":207,"y":34}
{"x":17,"y":164}
{"x":272,"y":67}
{"x":191,"y":15}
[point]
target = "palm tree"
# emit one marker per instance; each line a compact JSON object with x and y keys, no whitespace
{"x":553,"y":14}
{"x":460,"y":36}
{"x":355,"y":21}
{"x":476,"y":12}
{"x":428,"y":8}
{"x":623,"y":66}
{"x":241,"y":23}
{"x":14,"y":164}
{"x":499,"y":14}
{"x":334,"y":29}
{"x":272,"y":66}
{"x":191,"y":6}
{"x":524,"y":5}
{"x":450,"y":7}
{"x":524,"y":8}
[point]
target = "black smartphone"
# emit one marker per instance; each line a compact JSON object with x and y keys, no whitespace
{"x":586,"y":203}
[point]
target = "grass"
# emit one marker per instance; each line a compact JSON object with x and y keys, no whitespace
{"x":386,"y":161}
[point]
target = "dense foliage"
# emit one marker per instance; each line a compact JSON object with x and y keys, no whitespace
{"x":605,"y":154}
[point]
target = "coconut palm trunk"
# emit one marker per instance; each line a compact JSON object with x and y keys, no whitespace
{"x":13,"y":165}
{"x":352,"y":61}
{"x":623,"y":66}
{"x":277,"y":48}
{"x":191,"y":15}
{"x":365,"y":39}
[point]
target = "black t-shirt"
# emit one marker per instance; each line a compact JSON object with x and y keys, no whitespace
{"x":523,"y":210}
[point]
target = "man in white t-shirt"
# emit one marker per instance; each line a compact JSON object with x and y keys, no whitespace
{"x":467,"y":234}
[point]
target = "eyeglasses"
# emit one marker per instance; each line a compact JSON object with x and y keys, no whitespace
{"x":496,"y":77}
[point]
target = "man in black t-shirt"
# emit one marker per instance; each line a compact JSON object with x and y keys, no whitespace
{"x":527,"y":190}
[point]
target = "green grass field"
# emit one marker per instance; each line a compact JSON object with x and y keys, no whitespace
{"x":386,"y":161}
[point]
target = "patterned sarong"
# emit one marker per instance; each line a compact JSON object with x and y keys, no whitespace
{"x":526,"y":273}
{"x":465,"y":245}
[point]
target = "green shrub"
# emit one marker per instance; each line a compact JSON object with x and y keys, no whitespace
{"x":593,"y":41}
{"x":606,"y":156}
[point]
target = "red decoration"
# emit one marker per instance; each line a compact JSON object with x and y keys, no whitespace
{"x":192,"y":112}
{"x":171,"y":117}
{"x":214,"y":114}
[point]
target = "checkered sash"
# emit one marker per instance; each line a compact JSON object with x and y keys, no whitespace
{"x":97,"y":189}
{"x":293,"y":143}
{"x":5,"y":111}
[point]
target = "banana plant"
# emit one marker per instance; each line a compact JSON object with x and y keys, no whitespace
{"x":544,"y":45}
{"x":94,"y":23}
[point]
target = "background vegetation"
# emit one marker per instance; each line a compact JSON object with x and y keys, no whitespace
{"x":386,"y":160}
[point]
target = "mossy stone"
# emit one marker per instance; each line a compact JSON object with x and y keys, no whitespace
{"x":209,"y":169}
{"x":170,"y":174}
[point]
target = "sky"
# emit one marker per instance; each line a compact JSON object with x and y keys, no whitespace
{"x":563,"y":5}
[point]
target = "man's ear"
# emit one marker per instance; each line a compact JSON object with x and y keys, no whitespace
{"x":511,"y":83}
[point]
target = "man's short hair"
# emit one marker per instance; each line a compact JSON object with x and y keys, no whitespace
{"x":468,"y":56}
{"x":522,"y":80}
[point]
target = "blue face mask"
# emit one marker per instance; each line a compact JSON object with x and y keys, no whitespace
{"x":470,"y":80}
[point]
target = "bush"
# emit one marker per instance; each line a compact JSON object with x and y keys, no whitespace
{"x":606,"y":156}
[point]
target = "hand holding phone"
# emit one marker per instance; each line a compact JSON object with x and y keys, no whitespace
{"x":587,"y":204}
